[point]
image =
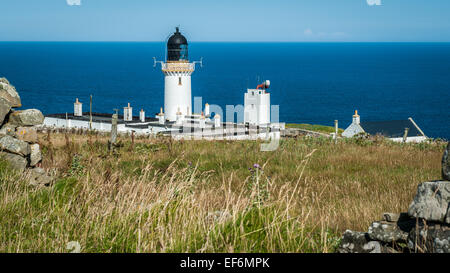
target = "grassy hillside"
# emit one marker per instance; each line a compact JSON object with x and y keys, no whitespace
{"x":208,"y":196}
{"x":314,"y":128}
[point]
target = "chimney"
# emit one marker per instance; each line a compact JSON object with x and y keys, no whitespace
{"x":179,"y":117}
{"x":142,"y":115}
{"x":356,"y":118}
{"x":161,"y":118}
{"x":77,"y":108}
{"x":128,"y":113}
{"x":202,"y":121}
{"x":217,"y":121}
{"x":207,"y":113}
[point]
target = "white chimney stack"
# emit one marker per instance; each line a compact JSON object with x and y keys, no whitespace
{"x":217,"y":121}
{"x":356,"y":118}
{"x":142,"y":115}
{"x":207,"y":113}
{"x":77,"y":108}
{"x":202,"y":121}
{"x":128,"y":113}
{"x":179,"y":117}
{"x":161,"y":117}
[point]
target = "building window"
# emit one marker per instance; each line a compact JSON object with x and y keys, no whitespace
{"x":179,"y":80}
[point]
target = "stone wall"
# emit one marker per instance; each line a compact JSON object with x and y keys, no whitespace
{"x":424,"y":228}
{"x":18,"y":135}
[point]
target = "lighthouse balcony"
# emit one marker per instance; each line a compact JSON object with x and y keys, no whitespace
{"x":178,"y":67}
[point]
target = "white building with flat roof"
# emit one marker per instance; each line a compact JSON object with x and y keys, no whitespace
{"x":257,"y":105}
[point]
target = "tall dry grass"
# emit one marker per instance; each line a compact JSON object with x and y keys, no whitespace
{"x":208,"y":196}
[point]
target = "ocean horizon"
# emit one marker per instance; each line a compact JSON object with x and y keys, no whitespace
{"x":312,"y":82}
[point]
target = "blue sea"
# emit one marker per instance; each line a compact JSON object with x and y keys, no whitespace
{"x":311,"y":82}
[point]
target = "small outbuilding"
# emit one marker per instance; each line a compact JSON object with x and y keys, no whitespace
{"x":396,"y":130}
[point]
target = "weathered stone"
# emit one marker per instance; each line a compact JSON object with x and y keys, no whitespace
{"x":38,"y":177}
{"x":388,"y":232}
{"x":13,"y":145}
{"x":9,"y":93}
{"x":15,"y":161}
{"x":28,"y":117}
{"x":432,"y":202}
{"x":359,"y":242}
{"x":391,"y":217}
{"x":5,"y":107}
{"x":446,"y":164}
{"x":8,"y":130}
{"x":35,"y":154}
{"x":433,"y":238}
{"x":27,"y":134}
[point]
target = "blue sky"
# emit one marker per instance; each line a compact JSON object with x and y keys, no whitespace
{"x":226,"y":20}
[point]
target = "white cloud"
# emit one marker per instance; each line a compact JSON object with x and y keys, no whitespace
{"x":73,"y":2}
{"x":374,"y":2}
{"x":308,"y":32}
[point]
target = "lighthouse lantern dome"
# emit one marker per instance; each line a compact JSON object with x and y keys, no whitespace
{"x":177,"y":47}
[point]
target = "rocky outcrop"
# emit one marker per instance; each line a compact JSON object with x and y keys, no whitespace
{"x":432,"y":202}
{"x":9,"y":93}
{"x":425,"y":228}
{"x":35,"y":154}
{"x":429,"y":238}
{"x":358,"y":242}
{"x":14,"y":145}
{"x":28,"y":117}
{"x":38,"y":177}
{"x":28,"y":134}
{"x":5,"y":107}
{"x":394,"y":231}
{"x":18,"y":136}
{"x":446,"y":164}
{"x":16,"y":161}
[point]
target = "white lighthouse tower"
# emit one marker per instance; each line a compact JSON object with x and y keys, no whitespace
{"x":177,"y":70}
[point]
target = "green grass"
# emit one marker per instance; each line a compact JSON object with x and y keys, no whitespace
{"x":314,"y":128}
{"x":206,"y":196}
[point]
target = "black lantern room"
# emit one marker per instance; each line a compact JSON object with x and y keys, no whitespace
{"x":177,"y":47}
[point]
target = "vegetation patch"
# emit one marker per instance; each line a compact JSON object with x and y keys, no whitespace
{"x":158,"y":195}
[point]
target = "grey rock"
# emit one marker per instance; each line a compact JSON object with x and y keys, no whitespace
{"x":15,"y":161}
{"x":388,"y":232}
{"x":432,"y":202}
{"x":446,"y":164}
{"x":434,"y":238}
{"x":35,"y":155}
{"x":391,"y":217}
{"x":9,"y":93}
{"x":13,"y":145}
{"x":30,"y":117}
{"x":27,"y":134}
{"x":359,"y":242}
{"x":8,"y":130}
{"x":5,"y":107}
{"x":38,"y":177}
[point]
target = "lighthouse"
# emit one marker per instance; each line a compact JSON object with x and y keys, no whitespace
{"x":177,"y":81}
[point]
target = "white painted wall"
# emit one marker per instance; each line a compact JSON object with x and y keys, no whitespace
{"x":177,"y":96}
{"x":256,"y":107}
{"x":78,"y":109}
{"x":78,"y":124}
{"x":416,"y":139}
